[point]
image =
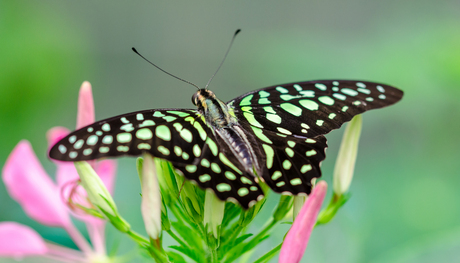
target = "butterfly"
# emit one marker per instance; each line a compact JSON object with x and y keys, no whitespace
{"x":273,"y":135}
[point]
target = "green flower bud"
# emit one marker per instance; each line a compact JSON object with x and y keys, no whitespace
{"x":151,"y":197}
{"x":345,"y":164}
{"x":213,"y":213}
{"x":99,"y":196}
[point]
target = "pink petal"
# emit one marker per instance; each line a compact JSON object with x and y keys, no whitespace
{"x":18,"y":240}
{"x":66,"y":171}
{"x":85,"y":115}
{"x":55,"y":134}
{"x":29,"y":184}
{"x":296,"y":240}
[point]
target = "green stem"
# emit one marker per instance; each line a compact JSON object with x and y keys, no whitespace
{"x":175,"y":237}
{"x":254,"y":241}
{"x":213,"y":255}
{"x":234,"y":233}
{"x":264,"y":231}
{"x":269,"y":255}
{"x":138,"y":238}
{"x":327,"y":214}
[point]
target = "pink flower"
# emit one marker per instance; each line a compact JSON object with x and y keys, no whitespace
{"x":47,"y":202}
{"x":29,"y":184}
{"x":13,"y":236}
{"x":296,"y":240}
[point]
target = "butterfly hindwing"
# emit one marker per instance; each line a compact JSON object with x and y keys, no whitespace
{"x":291,"y":162}
{"x":223,"y":174}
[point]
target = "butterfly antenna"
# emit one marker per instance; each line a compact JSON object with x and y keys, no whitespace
{"x":135,"y":51}
{"x":225,"y":56}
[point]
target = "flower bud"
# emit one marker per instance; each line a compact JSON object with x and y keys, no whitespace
{"x":151,"y":197}
{"x":345,"y":164}
{"x":100,"y":196}
{"x":296,"y":240}
{"x":213,"y":213}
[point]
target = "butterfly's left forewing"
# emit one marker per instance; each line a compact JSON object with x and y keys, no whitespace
{"x":176,"y":135}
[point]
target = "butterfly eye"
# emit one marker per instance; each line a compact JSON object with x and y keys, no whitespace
{"x":195,"y":99}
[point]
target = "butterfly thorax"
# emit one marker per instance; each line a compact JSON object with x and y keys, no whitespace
{"x":225,"y":125}
{"x":213,"y":109}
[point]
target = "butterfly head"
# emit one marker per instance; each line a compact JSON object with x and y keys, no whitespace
{"x":200,"y":98}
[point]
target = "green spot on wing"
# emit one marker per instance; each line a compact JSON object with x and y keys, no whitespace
{"x":147,"y":123}
{"x":223,"y":187}
{"x":326,"y":100}
{"x":296,"y":181}
{"x":289,"y":152}
{"x":287,"y":164}
{"x":204,"y":178}
{"x":243,"y":191}
{"x":191,"y":168}
{"x":123,"y":137}
{"x":246,"y":100}
{"x":163,"y":132}
{"x":212,"y":146}
{"x":321,"y":86}
{"x":158,"y":114}
{"x":274,"y":118}
{"x":291,"y":108}
{"x":264,"y":101}
{"x":259,"y":133}
{"x":179,"y":113}
{"x":144,"y":134}
{"x":200,"y":130}
{"x":163,"y":150}
{"x":230,"y":175}
{"x":339,"y":96}
{"x":269,"y":109}
{"x":305,"y":168}
{"x":264,"y":94}
{"x":224,"y":159}
{"x":276,"y":175}
{"x":251,"y":119}
{"x":349,"y":92}
{"x":215,"y":168}
{"x":309,"y":104}
{"x":245,"y":180}
{"x":281,"y":89}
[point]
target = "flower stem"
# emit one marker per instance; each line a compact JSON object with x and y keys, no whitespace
{"x":269,"y":255}
{"x":266,"y":229}
{"x":175,"y":237}
{"x":329,"y":212}
{"x":63,"y":259}
{"x":64,"y":254}
{"x":79,"y":239}
{"x":213,"y":255}
{"x":138,"y":238}
{"x":254,"y":241}
{"x":96,"y":234}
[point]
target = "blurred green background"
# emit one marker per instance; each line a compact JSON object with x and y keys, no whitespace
{"x":405,"y":197}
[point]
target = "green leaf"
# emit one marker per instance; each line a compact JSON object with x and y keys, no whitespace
{"x":189,"y":235}
{"x":176,"y":257}
{"x":196,"y":255}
